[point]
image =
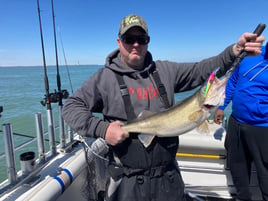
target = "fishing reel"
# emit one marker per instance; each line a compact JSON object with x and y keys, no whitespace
{"x":55,"y":97}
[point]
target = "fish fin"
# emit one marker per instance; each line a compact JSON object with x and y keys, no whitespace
{"x":203,"y":128}
{"x":145,"y":113}
{"x":146,"y":139}
{"x":217,"y":80}
{"x":195,"y":115}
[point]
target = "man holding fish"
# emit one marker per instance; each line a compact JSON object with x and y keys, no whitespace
{"x":133,"y":89}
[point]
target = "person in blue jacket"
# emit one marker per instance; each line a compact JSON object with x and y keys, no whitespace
{"x":247,"y":132}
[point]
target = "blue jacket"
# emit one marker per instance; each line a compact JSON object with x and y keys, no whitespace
{"x":247,"y":88}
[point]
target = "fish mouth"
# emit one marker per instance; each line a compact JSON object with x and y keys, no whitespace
{"x":208,"y":106}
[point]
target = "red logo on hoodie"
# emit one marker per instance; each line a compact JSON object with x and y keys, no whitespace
{"x":144,"y":93}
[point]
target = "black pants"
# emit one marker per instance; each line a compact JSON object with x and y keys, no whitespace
{"x":244,"y":144}
{"x":168,"y":187}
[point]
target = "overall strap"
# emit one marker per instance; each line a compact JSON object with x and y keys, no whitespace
{"x":126,"y":98}
{"x":125,"y":93}
{"x":160,"y":86}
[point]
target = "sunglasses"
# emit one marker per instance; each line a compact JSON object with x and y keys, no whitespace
{"x":131,"y":39}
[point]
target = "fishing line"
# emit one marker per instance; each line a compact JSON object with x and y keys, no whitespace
{"x":94,"y":152}
{"x":66,"y":62}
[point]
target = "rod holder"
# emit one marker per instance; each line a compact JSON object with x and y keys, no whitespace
{"x":62,"y":129}
{"x":10,"y":153}
{"x":27,"y":162}
{"x":40,"y":136}
{"x":70,"y":134}
{"x":51,"y":133}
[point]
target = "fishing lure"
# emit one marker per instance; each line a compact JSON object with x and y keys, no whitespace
{"x":210,"y":81}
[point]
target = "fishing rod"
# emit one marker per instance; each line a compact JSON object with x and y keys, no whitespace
{"x":259,"y":29}
{"x":57,"y":96}
{"x":51,"y":129}
{"x":61,"y":93}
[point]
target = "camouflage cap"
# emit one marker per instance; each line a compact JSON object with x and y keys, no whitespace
{"x":132,"y":21}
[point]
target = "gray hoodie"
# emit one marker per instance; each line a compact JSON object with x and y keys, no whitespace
{"x":101,"y":92}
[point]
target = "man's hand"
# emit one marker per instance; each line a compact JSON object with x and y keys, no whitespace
{"x":218,"y":116}
{"x":250,"y":43}
{"x":114,"y":134}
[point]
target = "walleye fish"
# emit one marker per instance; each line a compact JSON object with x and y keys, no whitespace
{"x":184,"y":116}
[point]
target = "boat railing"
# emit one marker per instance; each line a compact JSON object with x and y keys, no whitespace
{"x":29,"y":165}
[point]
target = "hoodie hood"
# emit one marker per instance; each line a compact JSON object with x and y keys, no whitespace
{"x":113,"y":61}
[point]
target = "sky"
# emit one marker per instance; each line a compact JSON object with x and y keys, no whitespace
{"x":180,"y":30}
